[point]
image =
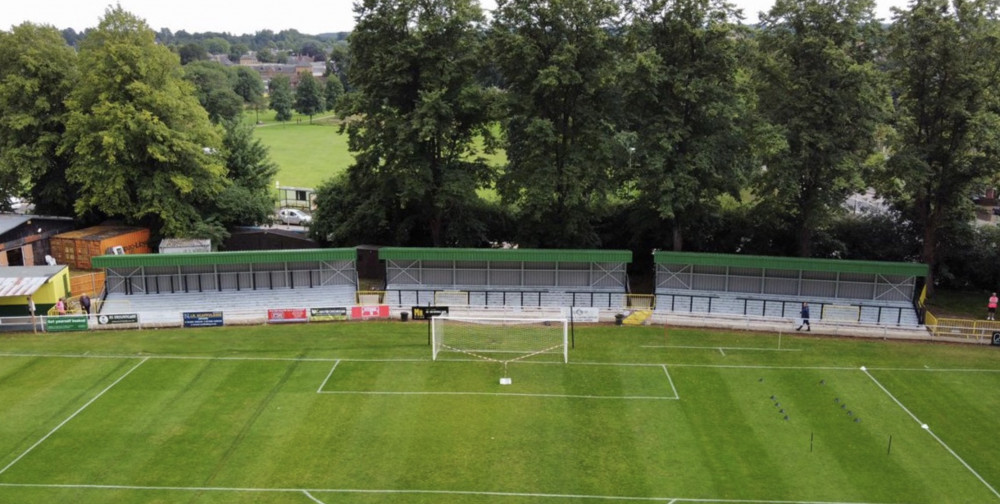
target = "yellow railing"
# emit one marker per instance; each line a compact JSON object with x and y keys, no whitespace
{"x":980,"y":330}
{"x":640,"y":301}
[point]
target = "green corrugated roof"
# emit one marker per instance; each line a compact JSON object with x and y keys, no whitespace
{"x":210,"y":258}
{"x":791,"y":263}
{"x":518,"y":255}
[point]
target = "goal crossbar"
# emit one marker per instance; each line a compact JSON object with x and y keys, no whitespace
{"x":500,"y":339}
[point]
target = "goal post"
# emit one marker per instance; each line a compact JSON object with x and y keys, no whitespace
{"x":500,"y":339}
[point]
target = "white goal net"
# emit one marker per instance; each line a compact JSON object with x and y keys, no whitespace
{"x":499,"y":339}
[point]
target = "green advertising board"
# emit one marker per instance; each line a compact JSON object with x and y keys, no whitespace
{"x":66,"y":323}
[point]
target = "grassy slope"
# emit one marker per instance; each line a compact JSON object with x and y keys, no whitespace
{"x":261,"y":423}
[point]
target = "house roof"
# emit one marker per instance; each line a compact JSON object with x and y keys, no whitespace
{"x":10,"y":222}
{"x":24,"y":280}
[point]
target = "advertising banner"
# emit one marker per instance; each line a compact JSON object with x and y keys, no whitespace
{"x":118,"y":318}
{"x":427,"y":312}
{"x":203,"y":319}
{"x":283,"y":315}
{"x":583,"y":314}
{"x":328,"y":314}
{"x":369,"y":312}
{"x":66,"y":323}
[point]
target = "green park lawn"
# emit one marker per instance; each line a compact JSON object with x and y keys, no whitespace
{"x":308,"y":153}
{"x":358,"y":412}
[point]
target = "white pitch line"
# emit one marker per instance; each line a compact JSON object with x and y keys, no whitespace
{"x":321,"y":385}
{"x":360,"y":491}
{"x":926,"y":429}
{"x":495,"y":394}
{"x":752,"y":349}
{"x":671,"y":380}
{"x":721,"y":352}
{"x":314,"y":499}
{"x":75,"y":413}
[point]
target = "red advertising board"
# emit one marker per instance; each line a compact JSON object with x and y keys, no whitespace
{"x":369,"y":312}
{"x":281,"y":315}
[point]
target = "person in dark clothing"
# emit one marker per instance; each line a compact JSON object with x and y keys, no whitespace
{"x":805,"y":318}
{"x":85,"y":303}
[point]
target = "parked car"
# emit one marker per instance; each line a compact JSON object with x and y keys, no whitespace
{"x":294,"y":217}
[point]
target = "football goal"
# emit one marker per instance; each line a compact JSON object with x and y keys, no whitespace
{"x":502,"y":340}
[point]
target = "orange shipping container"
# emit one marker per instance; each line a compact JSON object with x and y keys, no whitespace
{"x":75,"y":248}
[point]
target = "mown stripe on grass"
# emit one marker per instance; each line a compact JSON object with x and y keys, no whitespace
{"x":75,"y":413}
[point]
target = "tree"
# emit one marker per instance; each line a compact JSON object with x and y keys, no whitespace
{"x":418,"y":111}
{"x":309,"y":96}
{"x":248,"y":199}
{"x":687,"y":112}
{"x":558,"y":61}
{"x":217,"y":45}
{"x":281,"y":99}
{"x":215,"y":89}
{"x":237,"y":50}
{"x":944,"y":62}
{"x":820,"y":84}
{"x":192,"y":52}
{"x":37,"y":72}
{"x":250,"y":88}
{"x":143,"y":149}
{"x":332,"y":91}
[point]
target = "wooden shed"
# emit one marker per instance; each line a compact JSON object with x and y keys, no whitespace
{"x":75,"y":248}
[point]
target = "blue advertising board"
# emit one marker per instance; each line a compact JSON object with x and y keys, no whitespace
{"x":203,"y":319}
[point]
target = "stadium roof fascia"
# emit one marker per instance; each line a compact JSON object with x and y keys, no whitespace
{"x":791,"y":263}
{"x":499,"y":254}
{"x":214,"y":258}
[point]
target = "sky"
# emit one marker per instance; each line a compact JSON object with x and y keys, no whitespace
{"x":244,"y":16}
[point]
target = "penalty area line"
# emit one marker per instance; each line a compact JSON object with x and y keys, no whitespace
{"x":671,"y":380}
{"x":751,"y":349}
{"x":310,"y":496}
{"x":75,"y":413}
{"x":308,"y":492}
{"x":928,"y":430}
{"x":323,"y":385}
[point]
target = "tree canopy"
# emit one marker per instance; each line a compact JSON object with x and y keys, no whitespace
{"x":418,"y":110}
{"x":37,"y":72}
{"x":143,"y":149}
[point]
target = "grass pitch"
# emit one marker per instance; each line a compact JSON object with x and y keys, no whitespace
{"x":357,"y":412}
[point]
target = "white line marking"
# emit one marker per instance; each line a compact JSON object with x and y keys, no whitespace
{"x":75,"y":413}
{"x":752,"y":349}
{"x":321,"y":385}
{"x":574,"y":363}
{"x":314,"y":499}
{"x":936,"y":438}
{"x":671,"y":380}
{"x":494,"y":394}
{"x":310,"y":491}
{"x":721,"y":352}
